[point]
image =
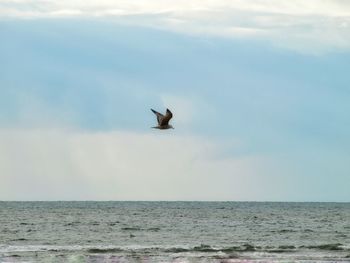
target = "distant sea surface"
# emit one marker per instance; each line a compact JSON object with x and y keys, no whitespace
{"x":174,"y":232}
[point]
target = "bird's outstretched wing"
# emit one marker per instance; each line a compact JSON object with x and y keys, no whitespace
{"x":160,"y":116}
{"x":167,"y":117}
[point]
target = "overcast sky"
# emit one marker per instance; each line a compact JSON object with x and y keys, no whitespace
{"x":259,"y":91}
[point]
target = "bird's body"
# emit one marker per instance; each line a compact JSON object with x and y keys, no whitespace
{"x":164,"y":127}
{"x":163,"y":120}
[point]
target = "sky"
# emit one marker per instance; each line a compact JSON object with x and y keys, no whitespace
{"x":259,"y":90}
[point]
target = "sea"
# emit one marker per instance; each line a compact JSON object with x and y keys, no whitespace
{"x":174,"y":232}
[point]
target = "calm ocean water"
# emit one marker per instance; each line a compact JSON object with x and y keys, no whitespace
{"x":174,"y":232}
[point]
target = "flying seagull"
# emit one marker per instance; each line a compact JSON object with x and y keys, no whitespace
{"x":163,"y":120}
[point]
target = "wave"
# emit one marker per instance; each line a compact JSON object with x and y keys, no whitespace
{"x":20,"y":239}
{"x":131,"y":228}
{"x":151,"y":229}
{"x":113,"y":223}
{"x":75,"y":223}
{"x":202,"y":248}
{"x":176,"y":250}
{"x":104,"y":250}
{"x":336,"y":246}
{"x":207,"y":248}
{"x":284,"y":231}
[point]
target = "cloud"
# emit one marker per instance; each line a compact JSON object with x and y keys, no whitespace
{"x":314,"y":26}
{"x":76,"y":165}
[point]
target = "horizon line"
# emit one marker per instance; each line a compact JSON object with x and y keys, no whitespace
{"x":174,"y":201}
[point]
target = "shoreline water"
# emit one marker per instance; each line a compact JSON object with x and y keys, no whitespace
{"x":174,"y":232}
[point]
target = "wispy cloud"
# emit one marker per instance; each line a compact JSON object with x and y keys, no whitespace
{"x":314,"y":26}
{"x":58,"y":164}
